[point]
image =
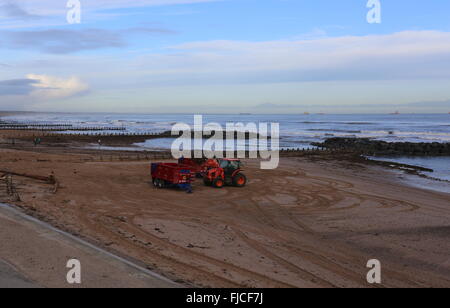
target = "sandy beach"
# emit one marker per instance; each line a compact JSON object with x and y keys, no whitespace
{"x":309,"y":223}
{"x":110,"y":109}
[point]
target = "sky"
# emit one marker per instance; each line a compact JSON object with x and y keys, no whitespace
{"x":225,"y":56}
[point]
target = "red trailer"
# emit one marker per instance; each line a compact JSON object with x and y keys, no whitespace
{"x":172,"y":175}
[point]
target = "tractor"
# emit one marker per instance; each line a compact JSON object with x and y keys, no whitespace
{"x":221,"y":172}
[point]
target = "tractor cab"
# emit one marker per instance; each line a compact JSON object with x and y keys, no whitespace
{"x":230,"y":165}
{"x":221,"y":172}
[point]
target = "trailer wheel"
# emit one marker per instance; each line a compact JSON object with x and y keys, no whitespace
{"x":161,"y":184}
{"x":240,"y":180}
{"x":218,"y":183}
{"x":158,"y":183}
{"x":154,"y":182}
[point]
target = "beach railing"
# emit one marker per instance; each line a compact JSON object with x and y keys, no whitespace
{"x":148,"y":156}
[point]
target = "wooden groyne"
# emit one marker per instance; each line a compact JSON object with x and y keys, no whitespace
{"x":57,"y":135}
{"x":58,"y":128}
{"x":18,"y":125}
{"x":55,"y":127}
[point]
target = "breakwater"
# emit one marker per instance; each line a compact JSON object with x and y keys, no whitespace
{"x":376,"y":147}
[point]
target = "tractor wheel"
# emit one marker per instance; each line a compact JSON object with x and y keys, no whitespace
{"x":155,"y":183}
{"x":218,"y":183}
{"x":206,"y":181}
{"x":240,"y":180}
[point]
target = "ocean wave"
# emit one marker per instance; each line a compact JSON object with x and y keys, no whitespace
{"x":395,"y":132}
{"x":339,"y":123}
{"x":315,"y":135}
{"x":334,"y":130}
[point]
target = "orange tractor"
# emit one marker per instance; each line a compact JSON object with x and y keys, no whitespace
{"x":221,"y":172}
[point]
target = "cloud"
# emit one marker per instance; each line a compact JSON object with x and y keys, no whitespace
{"x":336,"y":53}
{"x":58,"y":41}
{"x":52,"y":7}
{"x":10,"y":9}
{"x":16,"y":87}
{"x":16,"y":14}
{"x":42,"y":87}
{"x":399,"y":56}
{"x":63,"y":41}
{"x":49,"y":87}
{"x":399,"y":67}
{"x":49,"y":5}
{"x":409,"y":55}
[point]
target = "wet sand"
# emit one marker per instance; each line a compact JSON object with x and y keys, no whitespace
{"x":309,"y":223}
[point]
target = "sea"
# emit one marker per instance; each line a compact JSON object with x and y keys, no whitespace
{"x":296,"y":130}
